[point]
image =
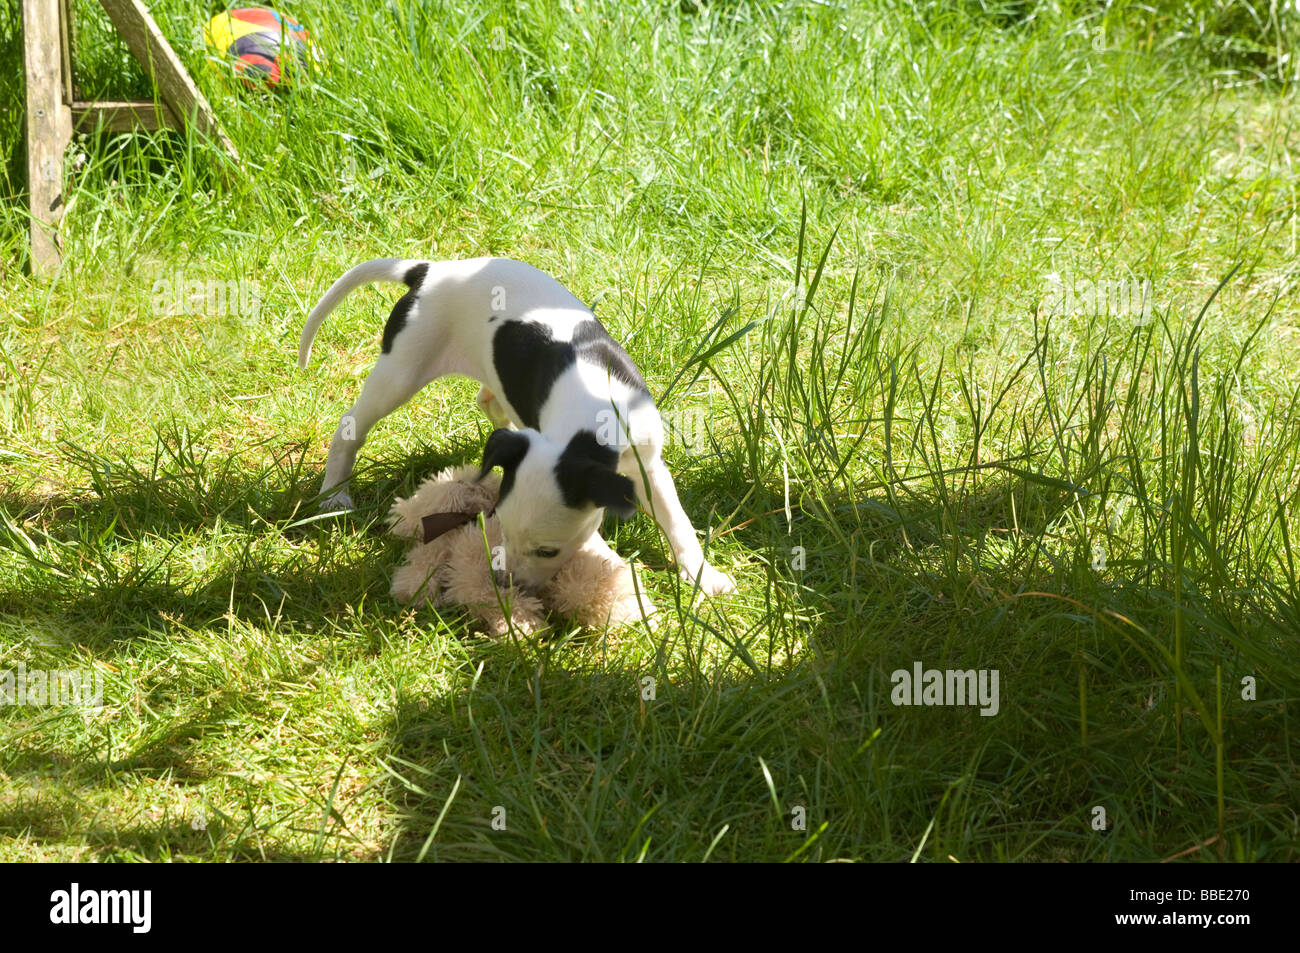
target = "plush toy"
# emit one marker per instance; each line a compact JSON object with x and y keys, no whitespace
{"x":450,"y":563}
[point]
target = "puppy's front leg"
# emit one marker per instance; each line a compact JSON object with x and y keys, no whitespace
{"x":491,"y":408}
{"x":668,"y":513}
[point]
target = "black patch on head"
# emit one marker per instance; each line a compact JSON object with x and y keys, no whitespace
{"x":505,"y":448}
{"x":586,"y":474}
{"x":397,"y":320}
{"x":595,"y":346}
{"x":528,"y":361}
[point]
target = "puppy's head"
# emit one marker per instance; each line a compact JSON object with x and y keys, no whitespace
{"x":552,"y":498}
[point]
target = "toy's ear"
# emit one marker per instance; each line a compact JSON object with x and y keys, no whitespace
{"x":505,"y":448}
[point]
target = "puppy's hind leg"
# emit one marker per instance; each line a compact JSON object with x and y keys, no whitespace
{"x":390,"y":384}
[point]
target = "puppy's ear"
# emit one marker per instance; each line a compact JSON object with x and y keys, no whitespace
{"x":505,"y":448}
{"x":612,"y":490}
{"x":586,"y":473}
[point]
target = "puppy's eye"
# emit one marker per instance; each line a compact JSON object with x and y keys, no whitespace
{"x":546,"y":552}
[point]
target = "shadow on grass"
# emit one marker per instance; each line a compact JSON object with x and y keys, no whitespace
{"x":801,"y":752}
{"x":163,"y":839}
{"x":186,"y":488}
{"x":768,"y":731}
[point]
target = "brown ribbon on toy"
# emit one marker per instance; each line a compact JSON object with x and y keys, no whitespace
{"x":436,"y":524}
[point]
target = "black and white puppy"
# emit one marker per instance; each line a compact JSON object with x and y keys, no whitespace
{"x":588,"y":427}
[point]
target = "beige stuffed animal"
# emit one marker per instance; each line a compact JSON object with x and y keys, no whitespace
{"x":449,"y":565}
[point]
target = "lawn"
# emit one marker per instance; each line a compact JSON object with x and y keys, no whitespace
{"x":976,"y":325}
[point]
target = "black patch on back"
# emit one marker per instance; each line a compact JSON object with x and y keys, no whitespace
{"x":586,"y":474}
{"x":595,"y":346}
{"x":397,"y":320}
{"x":528,"y":361}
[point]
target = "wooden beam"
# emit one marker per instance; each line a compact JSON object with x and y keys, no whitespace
{"x":65,"y":44}
{"x":164,"y":69}
{"x":123,"y":116}
{"x":49,"y":128}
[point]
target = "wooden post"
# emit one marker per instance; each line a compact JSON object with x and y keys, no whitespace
{"x":49,"y":127}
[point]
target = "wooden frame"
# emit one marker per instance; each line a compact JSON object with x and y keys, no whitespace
{"x":53,"y":112}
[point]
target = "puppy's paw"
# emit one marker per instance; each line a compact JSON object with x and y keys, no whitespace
{"x":337,"y":502}
{"x":713,"y":582}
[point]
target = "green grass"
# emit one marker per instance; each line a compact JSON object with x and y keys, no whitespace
{"x":913,"y":453}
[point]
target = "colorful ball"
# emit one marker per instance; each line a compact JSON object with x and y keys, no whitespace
{"x":263,"y":46}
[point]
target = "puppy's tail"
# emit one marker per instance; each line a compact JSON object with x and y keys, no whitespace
{"x":378,"y":269}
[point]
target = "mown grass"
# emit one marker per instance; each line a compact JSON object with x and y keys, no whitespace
{"x":913,"y":453}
